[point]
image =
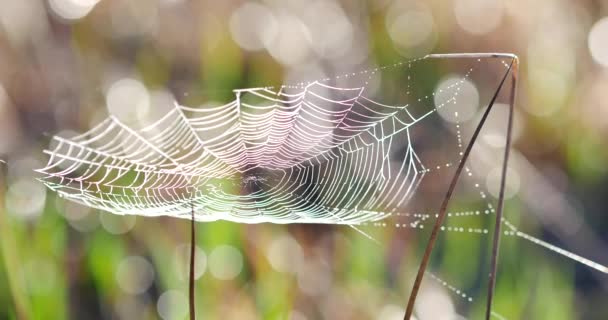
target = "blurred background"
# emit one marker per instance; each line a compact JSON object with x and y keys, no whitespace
{"x":67,"y":64}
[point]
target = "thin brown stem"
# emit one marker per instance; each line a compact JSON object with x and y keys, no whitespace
{"x":443,"y":209}
{"x":501,"y":195}
{"x":192,"y":260}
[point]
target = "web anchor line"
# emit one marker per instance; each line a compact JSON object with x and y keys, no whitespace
{"x":443,"y":209}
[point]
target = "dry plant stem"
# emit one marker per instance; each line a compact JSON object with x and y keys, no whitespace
{"x":501,"y":195}
{"x":8,"y":249}
{"x":192,"y":253}
{"x":443,"y":209}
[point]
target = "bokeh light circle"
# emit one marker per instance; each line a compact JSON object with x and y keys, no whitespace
{"x":332,"y":33}
{"x":128,"y":100}
{"x":135,"y":275}
{"x":253,"y":26}
{"x":172,"y":304}
{"x":225,"y":262}
{"x":292,"y":44}
{"x":72,"y":9}
{"x":412,"y":31}
{"x":285,"y":254}
{"x":466,"y":102}
{"x":117,"y":224}
{"x":478,"y":16}
{"x":598,"y":41}
{"x":80,"y":217}
{"x":25,"y":198}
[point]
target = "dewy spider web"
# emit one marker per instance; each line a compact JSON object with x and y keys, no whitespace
{"x":303,"y":141}
{"x":308,"y":153}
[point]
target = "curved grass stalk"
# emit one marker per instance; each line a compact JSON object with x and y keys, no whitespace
{"x":512,"y":69}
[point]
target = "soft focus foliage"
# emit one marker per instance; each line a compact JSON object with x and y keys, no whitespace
{"x":66,"y":64}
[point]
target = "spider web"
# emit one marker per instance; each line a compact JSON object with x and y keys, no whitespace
{"x":286,"y":151}
{"x":326,"y":151}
